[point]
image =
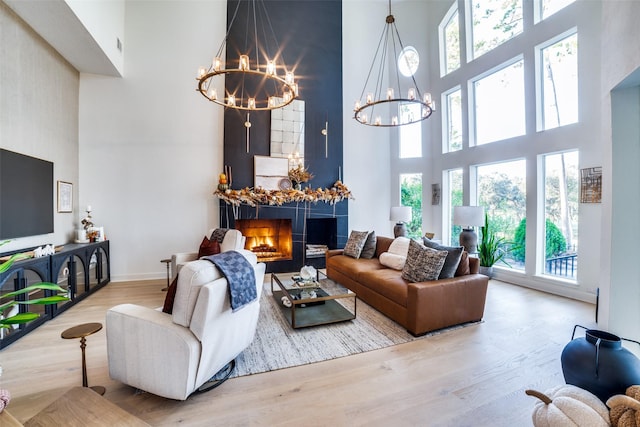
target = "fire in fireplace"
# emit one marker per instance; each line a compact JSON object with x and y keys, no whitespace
{"x":269,"y":239}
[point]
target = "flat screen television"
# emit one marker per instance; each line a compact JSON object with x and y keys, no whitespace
{"x":26,"y":195}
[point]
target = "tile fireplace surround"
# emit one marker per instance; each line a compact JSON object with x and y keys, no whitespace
{"x":290,"y":228}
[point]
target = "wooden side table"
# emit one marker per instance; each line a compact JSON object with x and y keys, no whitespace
{"x":83,"y":331}
{"x":167,"y":261}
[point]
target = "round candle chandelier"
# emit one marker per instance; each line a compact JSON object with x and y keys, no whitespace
{"x":258,"y":79}
{"x":397,"y":105}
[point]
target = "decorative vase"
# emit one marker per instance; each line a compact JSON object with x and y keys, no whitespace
{"x":599,"y":364}
{"x":487,"y":271}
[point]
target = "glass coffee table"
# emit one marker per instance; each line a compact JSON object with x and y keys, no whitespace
{"x":314,"y":302}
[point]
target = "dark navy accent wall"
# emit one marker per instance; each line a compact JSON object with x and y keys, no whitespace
{"x":310,"y":36}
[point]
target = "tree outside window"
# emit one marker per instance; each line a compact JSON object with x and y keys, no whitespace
{"x":411,"y":195}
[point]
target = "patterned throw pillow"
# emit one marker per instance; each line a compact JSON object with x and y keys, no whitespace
{"x":422,"y":263}
{"x":369,"y":249}
{"x":356,"y":242}
{"x":453,"y":257}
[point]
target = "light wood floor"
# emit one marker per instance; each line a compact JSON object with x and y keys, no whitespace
{"x":475,"y":376}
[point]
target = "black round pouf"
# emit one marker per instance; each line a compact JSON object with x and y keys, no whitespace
{"x":599,"y":364}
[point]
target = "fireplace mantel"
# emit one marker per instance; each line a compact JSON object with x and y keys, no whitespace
{"x":260,"y":196}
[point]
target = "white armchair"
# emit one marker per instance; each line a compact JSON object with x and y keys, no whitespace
{"x":233,"y":240}
{"x":172,"y":355}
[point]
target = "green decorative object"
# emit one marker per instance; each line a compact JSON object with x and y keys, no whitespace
{"x":20,"y":318}
{"x":492,"y":249}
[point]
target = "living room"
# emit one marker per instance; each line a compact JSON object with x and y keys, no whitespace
{"x":144,"y":149}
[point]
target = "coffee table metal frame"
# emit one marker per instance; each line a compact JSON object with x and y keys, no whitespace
{"x":329,"y":306}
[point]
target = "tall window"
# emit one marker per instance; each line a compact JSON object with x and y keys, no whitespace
{"x":493,"y":23}
{"x":558,"y":76}
{"x":502,"y":192}
{"x":549,"y":7}
{"x":561,"y":195}
{"x":453,"y":120}
{"x":410,"y":135}
{"x":499,"y":104}
{"x":455,"y":199}
{"x":450,"y":41}
{"x":411,"y":195}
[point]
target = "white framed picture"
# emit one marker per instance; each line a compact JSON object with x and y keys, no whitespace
{"x":65,"y":196}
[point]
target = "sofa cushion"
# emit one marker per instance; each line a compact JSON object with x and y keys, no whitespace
{"x":346,"y":265}
{"x":388,"y":283}
{"x":454,"y":253}
{"x":423,"y":263}
{"x":463,"y":266}
{"x":356,"y":242}
{"x":369,"y":249}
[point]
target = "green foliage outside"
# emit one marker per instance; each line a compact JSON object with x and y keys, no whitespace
{"x":554,"y":246}
{"x":411,"y":195}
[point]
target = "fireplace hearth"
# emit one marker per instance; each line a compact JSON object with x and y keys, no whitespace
{"x":269,"y":239}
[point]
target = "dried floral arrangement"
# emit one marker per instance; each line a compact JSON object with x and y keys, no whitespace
{"x":260,"y":196}
{"x":300,"y":174}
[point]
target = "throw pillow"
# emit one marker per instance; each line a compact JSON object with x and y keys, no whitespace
{"x":463,"y":267}
{"x":423,"y":263}
{"x":453,"y":257}
{"x":208,"y":247}
{"x":369,"y":249}
{"x":392,"y":260}
{"x":356,"y":242}
{"x":170,"y":297}
{"x":399,"y":246}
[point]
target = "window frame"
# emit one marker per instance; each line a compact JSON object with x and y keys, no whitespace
{"x":442,"y":34}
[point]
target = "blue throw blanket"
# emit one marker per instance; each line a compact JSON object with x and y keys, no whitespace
{"x":240,"y":277}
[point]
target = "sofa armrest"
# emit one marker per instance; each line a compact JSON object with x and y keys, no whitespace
{"x":179,"y":259}
{"x":333,"y":252}
{"x":148,"y":351}
{"x":440,"y":303}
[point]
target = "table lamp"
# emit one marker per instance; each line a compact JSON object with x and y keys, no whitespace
{"x":468,"y":217}
{"x":401,"y":215}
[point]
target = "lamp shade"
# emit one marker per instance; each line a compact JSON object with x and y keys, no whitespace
{"x":400,"y":214}
{"x":468,"y":216}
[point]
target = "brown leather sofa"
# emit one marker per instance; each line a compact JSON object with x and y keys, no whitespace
{"x":419,"y":307}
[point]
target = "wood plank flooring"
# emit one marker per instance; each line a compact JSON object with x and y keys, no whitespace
{"x":474,"y":376}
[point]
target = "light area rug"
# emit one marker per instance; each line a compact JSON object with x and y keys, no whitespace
{"x":277,"y":345}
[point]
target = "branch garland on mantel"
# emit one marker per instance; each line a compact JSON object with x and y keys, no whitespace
{"x":260,"y":196}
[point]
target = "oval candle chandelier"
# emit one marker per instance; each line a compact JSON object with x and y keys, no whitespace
{"x":380,"y":106}
{"x":258,"y":79}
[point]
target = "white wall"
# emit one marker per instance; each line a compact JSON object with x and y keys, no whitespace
{"x":104,"y":19}
{"x":619,"y":287}
{"x":366,"y":148}
{"x":150,"y":145}
{"x":39,"y":113}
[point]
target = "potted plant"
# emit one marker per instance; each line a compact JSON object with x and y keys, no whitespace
{"x":492,"y":249}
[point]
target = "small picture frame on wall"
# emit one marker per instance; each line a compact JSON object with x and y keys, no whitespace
{"x":591,"y":185}
{"x":65,"y":196}
{"x":435,"y":194}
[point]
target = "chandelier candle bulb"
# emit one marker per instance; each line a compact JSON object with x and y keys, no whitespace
{"x":394,"y":120}
{"x":244,"y":63}
{"x":378,"y":121}
{"x":289,"y":78}
{"x":357,"y":106}
{"x":390,"y":93}
{"x":251,"y":103}
{"x":411,"y":94}
{"x":369,"y":98}
{"x":231,"y":101}
{"x":201,"y":72}
{"x":271,"y":68}
{"x":427,"y":98}
{"x":213,"y":94}
{"x":217,"y":63}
